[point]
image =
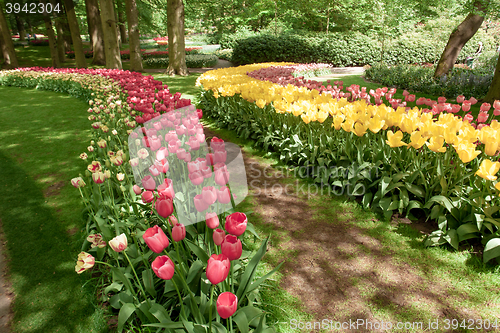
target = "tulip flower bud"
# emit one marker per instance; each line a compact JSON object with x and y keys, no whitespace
{"x":231,"y":247}
{"x":227,"y":303}
{"x":163,"y":267}
{"x":178,"y":232}
{"x":218,"y":236}
{"x":119,"y":243}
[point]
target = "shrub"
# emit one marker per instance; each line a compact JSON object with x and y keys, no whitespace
{"x":192,"y":61}
{"x":228,"y":41}
{"x":460,"y":81}
{"x":226,"y":54}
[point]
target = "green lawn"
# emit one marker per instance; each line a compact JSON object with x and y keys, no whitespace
{"x":42,"y":135}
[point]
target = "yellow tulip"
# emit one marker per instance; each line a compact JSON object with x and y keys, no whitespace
{"x":436,"y":144}
{"x":260,"y":103}
{"x":495,"y":124}
{"x":497,"y":186}
{"x":347,"y":125}
{"x":450,"y":136}
{"x":359,"y":129}
{"x":321,"y":116}
{"x":394,"y":139}
{"x":417,"y":141}
{"x":408,"y":125}
{"x":491,"y":148}
{"x":467,"y":151}
{"x":337,"y":121}
{"x":375,"y":124}
{"x":488,"y":169}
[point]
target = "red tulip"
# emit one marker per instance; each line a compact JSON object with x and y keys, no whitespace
{"x":178,"y":232}
{"x":231,"y":247}
{"x":164,"y":207}
{"x":227,"y":303}
{"x":236,"y":223}
{"x":218,"y":236}
{"x":218,"y":268}
{"x":147,"y":196}
{"x":210,"y":159}
{"x":156,"y":239}
{"x":209,"y":195}
{"x":212,"y":220}
{"x":148,"y":183}
{"x":217,"y":144}
{"x":163,"y":267}
{"x":199,"y":203}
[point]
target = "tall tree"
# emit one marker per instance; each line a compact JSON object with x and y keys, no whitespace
{"x":133,"y":35}
{"x":75,"y":34}
{"x":96,"y":33}
{"x":460,"y":36}
{"x":49,"y":30}
{"x":494,"y":92}
{"x":176,"y":43}
{"x":9,"y":54}
{"x":20,"y":28}
{"x":112,"y":51}
{"x":59,"y":17}
{"x":122,"y":23}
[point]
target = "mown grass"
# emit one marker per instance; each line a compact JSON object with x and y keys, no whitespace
{"x":42,"y":134}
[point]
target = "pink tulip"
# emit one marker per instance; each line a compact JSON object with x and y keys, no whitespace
{"x":173,"y":220}
{"x":137,"y":190}
{"x":147,"y":196}
{"x":155,"y":143}
{"x":220,"y":156}
{"x":181,"y":153}
{"x":466,"y":106}
{"x":231,"y":247}
{"x":212,"y":220}
{"x":199,"y":203}
{"x":482,"y":117}
{"x":172,"y":147}
{"x":496,"y":104}
{"x":468,"y":117}
{"x":164,"y":207}
{"x":227,"y":303}
{"x":472,"y":100}
{"x":460,"y":99}
{"x":171,"y":136}
{"x":156,"y":239}
{"x":496,"y":112}
{"x":206,"y":171}
{"x":149,"y":183}
{"x":221,"y":177}
{"x":193,"y":143}
{"x":218,"y":236}
{"x":455,"y":108}
{"x":196,"y":178}
{"x":162,"y":153}
{"x":178,"y":232}
{"x":163,"y":267}
{"x":166,"y":189}
{"x":236,"y":223}
{"x":223,"y":195}
{"x":441,"y":99}
{"x":485,"y":107}
{"x":194,"y":166}
{"x":210,"y":159}
{"x":209,"y":195}
{"x":154,"y":171}
{"x":162,"y":165}
{"x":218,"y":268}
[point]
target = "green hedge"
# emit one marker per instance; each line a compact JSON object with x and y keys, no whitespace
{"x":225,"y":54}
{"x":192,"y":61}
{"x":460,"y":81}
{"x":340,"y":49}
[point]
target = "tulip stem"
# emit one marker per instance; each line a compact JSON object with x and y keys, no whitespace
{"x":210,"y":307}
{"x":179,"y":294}
{"x":137,"y":278}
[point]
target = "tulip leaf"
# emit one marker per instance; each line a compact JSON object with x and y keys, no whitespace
{"x":435,"y":239}
{"x":195,"y":270}
{"x":124,"y":314}
{"x":250,"y":271}
{"x":172,"y":325}
{"x":200,"y":253}
{"x":264,"y":278}
{"x":220,"y":328}
{"x":415,"y":189}
{"x":251,"y":228}
{"x":452,"y":238}
{"x":491,"y":249}
{"x":120,"y":276}
{"x":384,"y":183}
{"x":149,"y":284}
{"x":442,"y":200}
{"x":241,"y":321}
{"x":159,"y":312}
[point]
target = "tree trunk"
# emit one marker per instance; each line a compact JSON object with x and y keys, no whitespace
{"x":49,"y":30}
{"x":133,"y":35}
{"x":9,"y":54}
{"x":458,"y":38}
{"x":20,"y":28}
{"x":118,"y":31}
{"x":176,"y":44}
{"x":96,"y":34}
{"x":112,"y":51}
{"x":123,"y":30}
{"x":68,"y":41}
{"x":61,"y":51}
{"x":75,"y":34}
{"x":494,"y":92}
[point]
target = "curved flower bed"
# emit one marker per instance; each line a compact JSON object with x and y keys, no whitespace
{"x":413,"y":161}
{"x":159,"y":272}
